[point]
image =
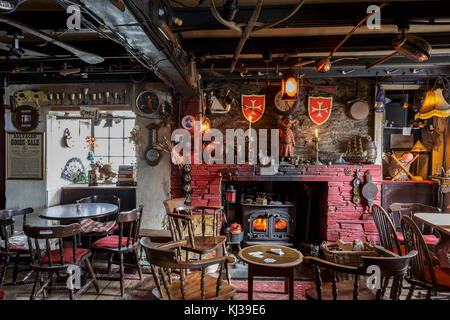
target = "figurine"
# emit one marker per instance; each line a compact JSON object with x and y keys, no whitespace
{"x":105,"y":170}
{"x":287,"y":139}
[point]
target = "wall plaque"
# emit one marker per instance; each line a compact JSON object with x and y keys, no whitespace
{"x":25,"y":118}
{"x":25,"y":156}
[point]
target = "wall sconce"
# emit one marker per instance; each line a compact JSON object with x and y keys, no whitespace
{"x":289,"y":85}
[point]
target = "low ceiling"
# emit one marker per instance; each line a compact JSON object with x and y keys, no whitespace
{"x":310,"y":34}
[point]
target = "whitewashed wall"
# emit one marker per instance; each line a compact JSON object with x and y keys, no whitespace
{"x":153,"y":182}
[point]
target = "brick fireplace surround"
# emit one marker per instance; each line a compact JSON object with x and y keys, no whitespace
{"x":343,"y":220}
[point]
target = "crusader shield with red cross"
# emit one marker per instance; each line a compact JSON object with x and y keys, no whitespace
{"x":319,"y":109}
{"x":253,"y":106}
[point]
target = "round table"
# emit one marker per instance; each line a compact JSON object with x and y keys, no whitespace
{"x":76,"y":212}
{"x":283,"y":266}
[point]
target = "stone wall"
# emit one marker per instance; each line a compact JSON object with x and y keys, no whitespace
{"x":334,"y":134}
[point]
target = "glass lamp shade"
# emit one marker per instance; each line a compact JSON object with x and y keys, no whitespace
{"x":289,"y":86}
{"x":434,"y":105}
{"x":230,"y":194}
{"x":206,"y":125}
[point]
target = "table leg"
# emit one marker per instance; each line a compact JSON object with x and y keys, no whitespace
{"x":286,"y":285}
{"x":442,"y":249}
{"x":250,"y":282}
{"x":291,"y":283}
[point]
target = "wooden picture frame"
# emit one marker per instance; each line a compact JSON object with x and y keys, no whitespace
{"x":25,"y":156}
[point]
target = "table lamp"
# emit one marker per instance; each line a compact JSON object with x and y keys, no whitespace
{"x":418,"y":148}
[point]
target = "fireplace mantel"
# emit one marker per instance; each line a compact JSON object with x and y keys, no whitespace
{"x":344,"y":220}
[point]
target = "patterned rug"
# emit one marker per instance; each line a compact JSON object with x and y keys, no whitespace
{"x":270,"y":290}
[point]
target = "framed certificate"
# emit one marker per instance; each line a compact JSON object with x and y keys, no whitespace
{"x":25,"y":157}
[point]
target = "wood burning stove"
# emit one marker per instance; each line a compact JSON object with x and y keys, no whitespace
{"x":269,"y":223}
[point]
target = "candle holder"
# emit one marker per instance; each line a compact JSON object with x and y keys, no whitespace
{"x":316,"y":141}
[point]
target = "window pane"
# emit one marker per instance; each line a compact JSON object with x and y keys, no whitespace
{"x":116,"y":162}
{"x":99,"y":131}
{"x":129,"y":125}
{"x":116,"y":130}
{"x":130,"y":161}
{"x":102,"y":147}
{"x":101,"y":159}
{"x":116,"y":147}
{"x":129,"y":148}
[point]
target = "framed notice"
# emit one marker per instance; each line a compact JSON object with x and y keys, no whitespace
{"x":25,"y":156}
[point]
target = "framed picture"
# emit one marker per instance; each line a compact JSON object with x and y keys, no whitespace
{"x":25,"y":157}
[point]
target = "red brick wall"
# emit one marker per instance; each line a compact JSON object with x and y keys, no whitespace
{"x":343,"y":219}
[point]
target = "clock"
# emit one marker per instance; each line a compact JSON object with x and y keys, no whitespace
{"x":285,"y":107}
{"x":147,"y":102}
{"x":152,"y":155}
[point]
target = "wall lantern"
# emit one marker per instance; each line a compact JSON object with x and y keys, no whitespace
{"x":289,"y":84}
{"x":230,"y":194}
{"x":206,"y":125}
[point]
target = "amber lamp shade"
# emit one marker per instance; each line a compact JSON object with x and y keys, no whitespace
{"x":230,"y":194}
{"x":289,"y":85}
{"x":434,"y":105}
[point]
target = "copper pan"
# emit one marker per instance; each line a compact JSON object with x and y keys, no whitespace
{"x":409,"y":46}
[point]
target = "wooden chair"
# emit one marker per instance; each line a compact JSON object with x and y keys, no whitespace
{"x":386,"y":230}
{"x":58,"y":260}
{"x":391,"y":265}
{"x":430,"y":236}
{"x":129,"y":223}
{"x":197,"y":285}
{"x":13,"y":246}
{"x":423,"y":272}
{"x":182,"y":219}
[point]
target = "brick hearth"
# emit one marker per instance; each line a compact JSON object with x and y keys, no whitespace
{"x":344,"y":220}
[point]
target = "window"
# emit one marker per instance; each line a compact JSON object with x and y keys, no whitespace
{"x":113,"y":145}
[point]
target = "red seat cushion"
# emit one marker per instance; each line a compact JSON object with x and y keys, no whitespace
{"x":442,"y":275}
{"x":429,"y":238}
{"x":68,"y":255}
{"x":91,"y":226}
{"x":111,"y":242}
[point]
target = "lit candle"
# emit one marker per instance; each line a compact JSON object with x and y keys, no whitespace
{"x":249,"y":136}
{"x":317,"y":135}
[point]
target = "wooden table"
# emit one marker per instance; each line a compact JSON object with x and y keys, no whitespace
{"x":441,"y":223}
{"x":283,"y":266}
{"x":76,"y":212}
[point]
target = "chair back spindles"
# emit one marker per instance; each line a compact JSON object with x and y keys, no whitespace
{"x":129,"y":225}
{"x":386,"y":229}
{"x":7,"y":220}
{"x":414,"y":241}
{"x":390,"y":264}
{"x":164,"y":258}
{"x":47,"y":234}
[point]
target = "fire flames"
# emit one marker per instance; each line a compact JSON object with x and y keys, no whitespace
{"x":260,"y":224}
{"x":280,"y":225}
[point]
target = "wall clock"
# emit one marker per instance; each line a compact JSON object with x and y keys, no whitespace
{"x":147,"y":102}
{"x":152,"y":155}
{"x":285,"y":107}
